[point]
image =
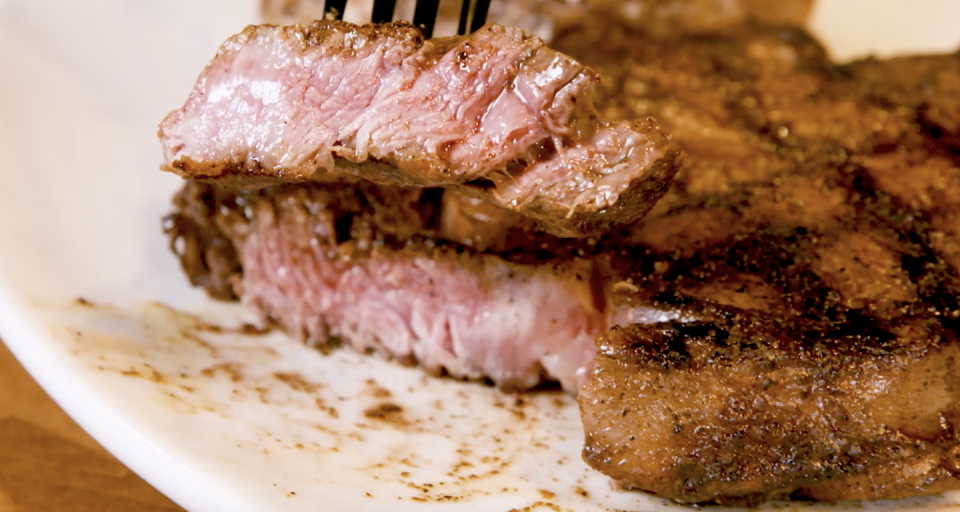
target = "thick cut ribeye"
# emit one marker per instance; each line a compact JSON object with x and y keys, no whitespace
{"x":790,"y":325}
{"x":496,"y":115}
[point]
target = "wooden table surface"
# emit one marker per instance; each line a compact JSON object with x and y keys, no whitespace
{"x":48,"y":463}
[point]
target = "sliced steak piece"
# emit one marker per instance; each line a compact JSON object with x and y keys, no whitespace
{"x":496,"y":115}
{"x":353,"y":263}
{"x":732,"y":409}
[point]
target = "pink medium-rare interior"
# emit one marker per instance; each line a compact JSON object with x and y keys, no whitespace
{"x":292,"y":105}
{"x":474,"y":316}
{"x":496,"y":115}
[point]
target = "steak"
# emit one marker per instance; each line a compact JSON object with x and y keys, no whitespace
{"x":788,"y":325}
{"x":782,"y":324}
{"x":495,"y":115}
{"x":364,"y":265}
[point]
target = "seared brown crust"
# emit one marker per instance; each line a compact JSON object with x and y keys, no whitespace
{"x":206,"y":253}
{"x":807,"y":261}
{"x":928,"y":85}
{"x":733,"y":409}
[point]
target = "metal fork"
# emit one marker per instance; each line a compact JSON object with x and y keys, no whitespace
{"x":473,"y":13}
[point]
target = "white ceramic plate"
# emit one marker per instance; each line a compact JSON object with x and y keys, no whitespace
{"x":224,"y":421}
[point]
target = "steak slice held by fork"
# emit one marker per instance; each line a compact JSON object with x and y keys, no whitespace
{"x":496,"y":115}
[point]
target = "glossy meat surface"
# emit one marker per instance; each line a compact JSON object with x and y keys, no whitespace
{"x":496,"y":115}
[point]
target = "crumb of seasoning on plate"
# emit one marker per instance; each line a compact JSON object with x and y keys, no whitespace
{"x":539,"y":505}
{"x":387,"y":412}
{"x":291,"y":493}
{"x":296,"y":382}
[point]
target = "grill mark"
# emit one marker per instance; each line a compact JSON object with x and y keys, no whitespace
{"x":783,"y":260}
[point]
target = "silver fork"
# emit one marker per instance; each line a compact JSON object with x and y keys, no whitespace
{"x":473,"y":13}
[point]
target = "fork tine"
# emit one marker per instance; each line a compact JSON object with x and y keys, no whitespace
{"x":473,"y":14}
{"x":466,"y":16}
{"x":479,"y":14}
{"x":335,"y":7}
{"x":425,"y":15}
{"x":383,"y":11}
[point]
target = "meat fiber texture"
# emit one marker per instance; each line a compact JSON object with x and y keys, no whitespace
{"x":363,"y":265}
{"x":496,"y":115}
